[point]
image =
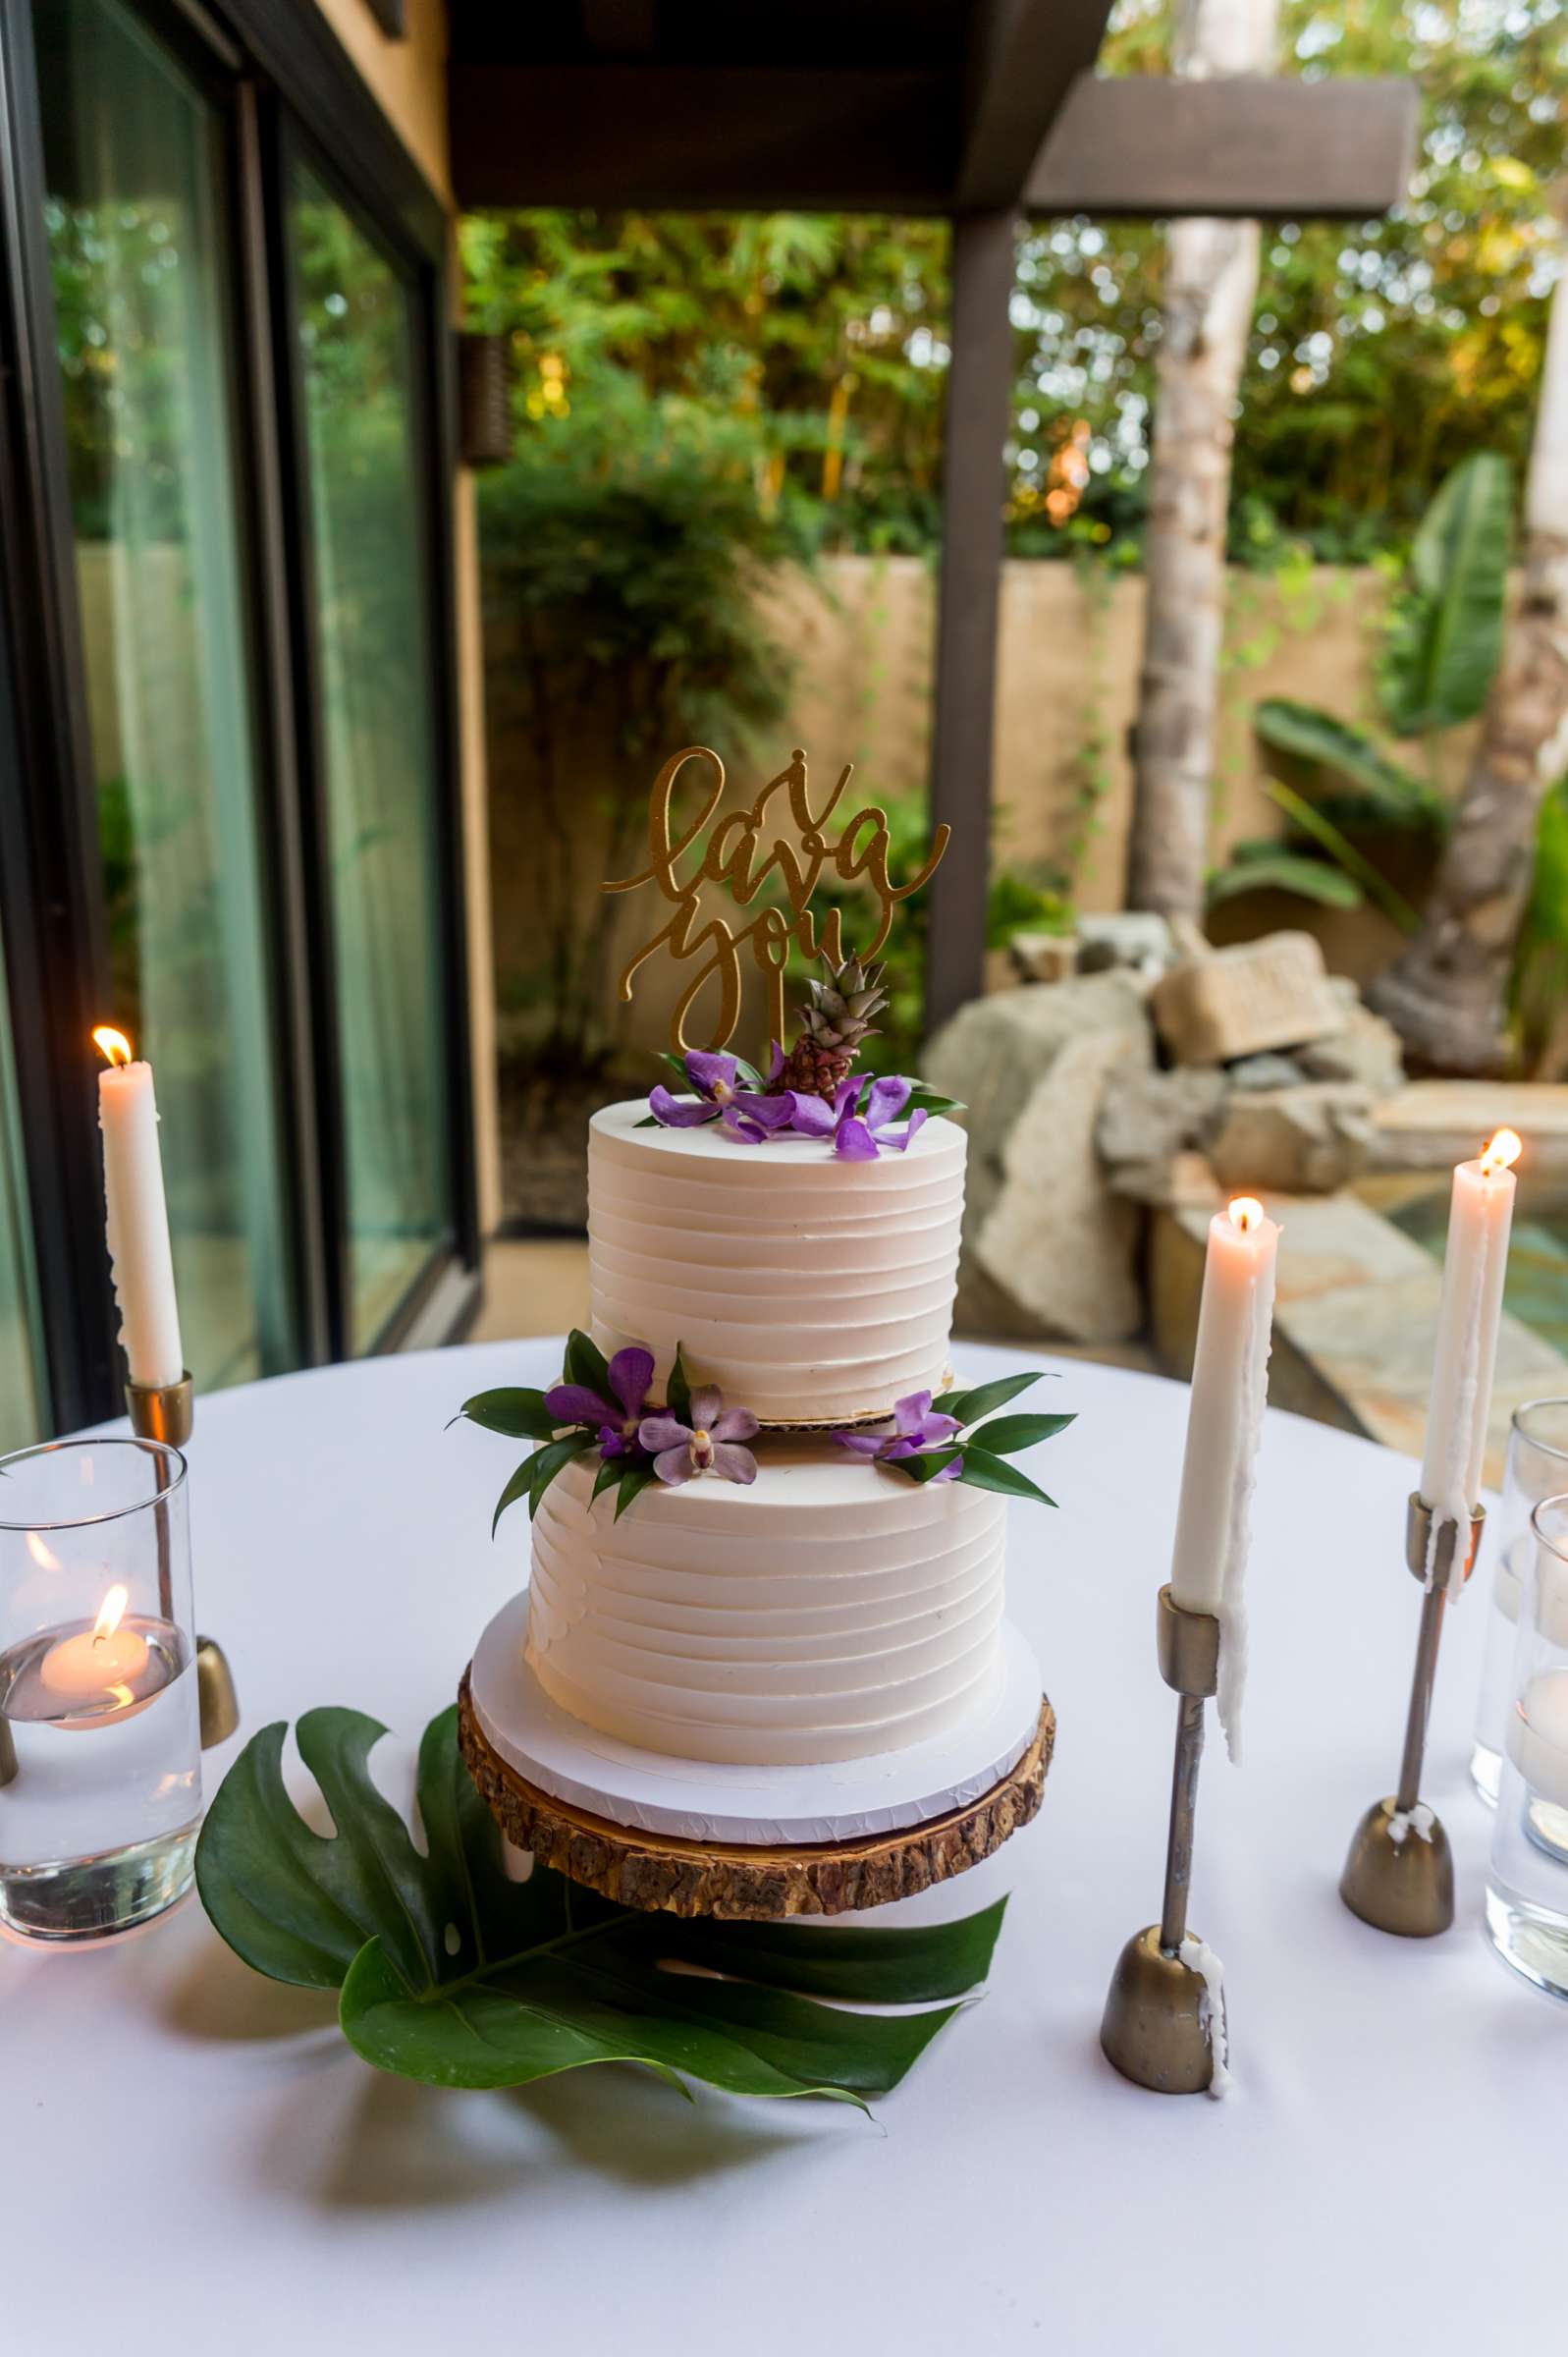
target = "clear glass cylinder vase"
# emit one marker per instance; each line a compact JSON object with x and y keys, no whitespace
{"x":1527,"y":1892}
{"x":1536,"y":1468}
{"x":100,"y":1748}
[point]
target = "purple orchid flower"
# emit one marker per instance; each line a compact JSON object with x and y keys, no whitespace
{"x":915,"y":1430}
{"x":861,"y":1136}
{"x":744,"y":1111}
{"x":709,"y":1444}
{"x":630,"y":1373}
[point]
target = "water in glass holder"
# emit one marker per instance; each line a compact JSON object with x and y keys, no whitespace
{"x":1536,"y":1468}
{"x":100,"y":1758}
{"x":1527,"y":1892}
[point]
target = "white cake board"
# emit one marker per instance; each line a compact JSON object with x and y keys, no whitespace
{"x":695,"y":1801}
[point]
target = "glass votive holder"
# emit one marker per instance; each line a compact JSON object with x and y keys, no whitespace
{"x":1527,"y":1892}
{"x":1536,"y":1468}
{"x":100,"y":1748}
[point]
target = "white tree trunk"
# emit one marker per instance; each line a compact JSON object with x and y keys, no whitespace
{"x":1211,"y":285}
{"x":1447,"y":994}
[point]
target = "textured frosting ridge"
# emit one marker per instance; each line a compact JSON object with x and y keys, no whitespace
{"x":807,"y":1288}
{"x":828,"y":1611}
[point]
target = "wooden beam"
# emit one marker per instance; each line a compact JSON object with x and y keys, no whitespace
{"x":979,"y":406}
{"x":715,"y":139}
{"x":1250,"y":149}
{"x":1023,"y":55}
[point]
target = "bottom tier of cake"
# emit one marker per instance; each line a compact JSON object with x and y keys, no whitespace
{"x":830,"y":1611}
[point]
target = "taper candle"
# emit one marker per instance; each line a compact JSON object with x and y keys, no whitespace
{"x":137,"y":1217}
{"x":1224,"y":1423}
{"x":1480,"y":1216}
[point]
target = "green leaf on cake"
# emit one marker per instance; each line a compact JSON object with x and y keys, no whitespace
{"x":677,"y":1391}
{"x":1006,"y":1435}
{"x":519,"y":1486}
{"x":609,"y":1473}
{"x":452,"y":1974}
{"x":983,"y":1471}
{"x":535,"y":1473}
{"x":925,"y":1465}
{"x":633,"y":1479}
{"x":971,"y":1406}
{"x":520,"y":1414}
{"x":586,"y":1364}
{"x":927,"y":1100}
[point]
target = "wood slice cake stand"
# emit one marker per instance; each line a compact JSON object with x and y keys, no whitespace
{"x":745,"y":1881}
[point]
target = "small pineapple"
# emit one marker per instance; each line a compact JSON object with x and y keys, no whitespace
{"x":833,"y":1027}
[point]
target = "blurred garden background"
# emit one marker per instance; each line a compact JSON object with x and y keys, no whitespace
{"x":721,"y":517}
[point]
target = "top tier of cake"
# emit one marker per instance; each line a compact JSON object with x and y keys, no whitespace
{"x":808,"y":1287}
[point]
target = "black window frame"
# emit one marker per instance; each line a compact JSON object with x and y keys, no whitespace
{"x":282,"y":84}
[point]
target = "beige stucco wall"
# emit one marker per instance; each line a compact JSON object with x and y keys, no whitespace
{"x":861,"y":637}
{"x":408,"y":80}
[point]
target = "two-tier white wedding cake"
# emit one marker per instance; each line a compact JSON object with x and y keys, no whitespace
{"x":765,"y":1605}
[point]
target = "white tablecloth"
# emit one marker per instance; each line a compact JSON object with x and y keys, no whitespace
{"x":190,"y":2151}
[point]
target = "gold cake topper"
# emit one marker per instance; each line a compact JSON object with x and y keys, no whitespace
{"x":735,"y":859}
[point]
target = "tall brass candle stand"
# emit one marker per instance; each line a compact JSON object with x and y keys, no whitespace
{"x":1159,"y":2026}
{"x":166,"y":1412}
{"x":1399,"y":1876}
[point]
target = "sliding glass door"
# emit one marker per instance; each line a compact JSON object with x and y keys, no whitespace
{"x":134,"y":155}
{"x":371,"y":629}
{"x":22,"y":1406}
{"x":227,"y":653}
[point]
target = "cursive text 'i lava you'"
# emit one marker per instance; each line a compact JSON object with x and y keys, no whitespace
{"x":735,"y":859}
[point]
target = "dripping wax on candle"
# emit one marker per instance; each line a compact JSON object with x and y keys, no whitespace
{"x":137,"y":1216}
{"x":1481,"y":1214}
{"x":1225,"y":1424}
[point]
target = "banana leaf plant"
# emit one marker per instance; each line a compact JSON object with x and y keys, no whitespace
{"x":1442,"y":646}
{"x":450,"y":1972}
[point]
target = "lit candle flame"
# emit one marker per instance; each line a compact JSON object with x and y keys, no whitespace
{"x":1245,"y":1213}
{"x":111,"y":1612}
{"x":1502,"y":1152}
{"x":42,"y":1552}
{"x":111,"y":1044}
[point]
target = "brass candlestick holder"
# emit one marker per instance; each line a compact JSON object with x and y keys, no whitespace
{"x":166,"y":1412}
{"x":1399,"y":1874}
{"x":1159,"y":2027}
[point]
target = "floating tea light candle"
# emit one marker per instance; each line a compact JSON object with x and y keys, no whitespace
{"x":105,"y":1666}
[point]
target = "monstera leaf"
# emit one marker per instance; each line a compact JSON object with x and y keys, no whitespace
{"x":452,"y":1973}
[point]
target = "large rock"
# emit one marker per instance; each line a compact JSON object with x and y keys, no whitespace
{"x":1133,"y":938}
{"x":1049,"y":1249}
{"x":1293,"y":1141}
{"x":1147,"y":1121}
{"x":1367,"y":1051}
{"x":1273,"y":993}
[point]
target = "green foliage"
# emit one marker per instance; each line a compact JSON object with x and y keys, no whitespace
{"x":1538,"y":984}
{"x":1445,"y":630}
{"x":1015,"y":904}
{"x":1444,"y":644}
{"x":1383,"y":792}
{"x":620,"y":564}
{"x":451,"y":1973}
{"x":982,"y":1462}
{"x":1382,"y":352}
{"x":1262,"y":866}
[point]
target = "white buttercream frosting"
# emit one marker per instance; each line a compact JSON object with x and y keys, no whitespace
{"x":830,"y":1611}
{"x":806,"y":1286}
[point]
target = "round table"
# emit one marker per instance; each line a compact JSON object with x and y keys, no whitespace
{"x":192,"y":2151}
